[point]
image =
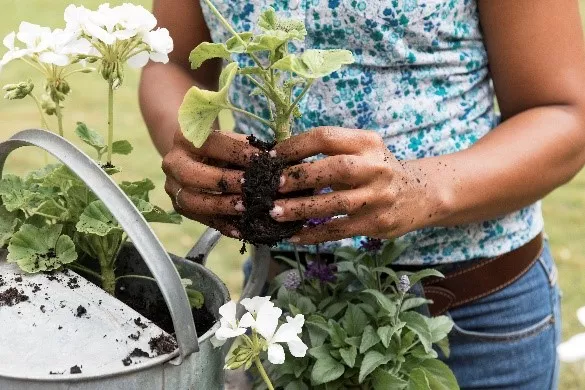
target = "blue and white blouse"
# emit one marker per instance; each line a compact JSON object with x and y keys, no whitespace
{"x":420,"y":79}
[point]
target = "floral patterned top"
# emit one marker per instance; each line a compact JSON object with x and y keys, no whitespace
{"x":420,"y":79}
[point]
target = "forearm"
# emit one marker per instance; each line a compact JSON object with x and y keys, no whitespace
{"x":516,"y":164}
{"x":161,"y":92}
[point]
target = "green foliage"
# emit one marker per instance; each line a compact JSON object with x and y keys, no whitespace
{"x":363,"y":332}
{"x":281,"y":78}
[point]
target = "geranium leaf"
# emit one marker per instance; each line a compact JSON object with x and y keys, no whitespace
{"x":200,"y":108}
{"x":235,"y":45}
{"x":196,"y":299}
{"x":270,"y":41}
{"x":139,"y":189}
{"x":50,"y":208}
{"x":15,"y":193}
{"x":8,"y":223}
{"x":269,"y":20}
{"x":313,"y":64}
{"x":97,"y":219}
{"x":41,"y":249}
{"x":121,"y":147}
{"x":90,"y":136}
{"x":154,"y":213}
{"x":206,"y":51}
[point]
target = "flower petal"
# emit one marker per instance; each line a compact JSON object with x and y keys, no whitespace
{"x":573,"y":349}
{"x":159,"y":57}
{"x":229,"y":333}
{"x":49,"y":57}
{"x":298,"y":321}
{"x":216,"y":342}
{"x":267,"y":321}
{"x":297,"y":347}
{"x":228,"y":312}
{"x":247,"y":321}
{"x":255,"y":303}
{"x":139,"y":60}
{"x":581,"y":315}
{"x":276,"y":354}
{"x":8,"y":40}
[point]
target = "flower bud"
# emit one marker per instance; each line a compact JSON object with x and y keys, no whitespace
{"x":48,"y":105}
{"x":18,"y":91}
{"x":241,"y":355}
{"x":63,"y":87}
{"x":404,"y":284}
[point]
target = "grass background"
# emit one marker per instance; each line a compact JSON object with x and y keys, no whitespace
{"x":564,"y":209}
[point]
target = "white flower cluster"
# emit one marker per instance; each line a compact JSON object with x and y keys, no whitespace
{"x":119,"y":34}
{"x":262,"y":317}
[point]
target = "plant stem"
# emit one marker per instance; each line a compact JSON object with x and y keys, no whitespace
{"x":108,"y":278}
{"x":136,"y":277}
{"x":78,"y":267}
{"x":301,"y":95}
{"x":41,"y":113}
{"x":263,"y":373}
{"x":110,"y":119}
{"x":59,"y":117}
{"x":299,"y":270}
{"x":237,"y":109}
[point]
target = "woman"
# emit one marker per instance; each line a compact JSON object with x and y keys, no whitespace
{"x":431,"y":162}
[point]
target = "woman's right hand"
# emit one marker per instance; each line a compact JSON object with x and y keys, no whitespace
{"x":205,"y":184}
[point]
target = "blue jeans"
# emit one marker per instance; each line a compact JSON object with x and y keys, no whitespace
{"x":508,"y":339}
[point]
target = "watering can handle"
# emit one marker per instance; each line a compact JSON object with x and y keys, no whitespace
{"x":133,"y":223}
{"x":260,"y":263}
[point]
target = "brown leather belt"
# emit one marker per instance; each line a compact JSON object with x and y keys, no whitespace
{"x":483,"y":278}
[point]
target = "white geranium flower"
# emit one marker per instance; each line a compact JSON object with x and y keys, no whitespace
{"x":35,"y":37}
{"x":161,"y":44}
{"x":573,"y":349}
{"x":94,"y":24}
{"x":13,"y":52}
{"x":230,"y":327}
{"x":254,"y":304}
{"x":266,"y":325}
{"x":58,"y":47}
{"x":136,"y":18}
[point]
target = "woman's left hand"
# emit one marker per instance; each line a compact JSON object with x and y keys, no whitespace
{"x":374,"y":193}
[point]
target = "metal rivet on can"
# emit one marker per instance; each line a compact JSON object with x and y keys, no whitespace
{"x":293,"y":4}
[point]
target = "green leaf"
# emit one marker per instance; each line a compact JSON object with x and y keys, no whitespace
{"x":206,"y":51}
{"x":386,"y":332}
{"x":139,"y":189}
{"x":348,"y":355}
{"x":334,"y":309}
{"x":372,"y":360}
{"x":354,"y":320}
{"x":53,"y":209}
{"x":444,"y":346}
{"x":196,"y":299}
{"x":337,"y":334}
{"x":418,"y":324}
{"x":121,"y":147}
{"x":90,"y":136}
{"x":388,"y":271}
{"x":321,"y":352}
{"x":425,"y":273}
{"x":326,"y":369}
{"x":41,"y":249}
{"x":318,"y":329}
{"x":369,"y":339}
{"x":439,"y":375}
{"x":411,"y":303}
{"x":392,"y":250}
{"x":270,"y":40}
{"x":200,"y":108}
{"x":296,"y":385}
{"x":440,"y":327}
{"x":346,"y":253}
{"x":383,"y":380}
{"x":313,"y":64}
{"x":385,"y":303}
{"x":356,"y":341}
{"x":8,"y":223}
{"x":154,"y":213}
{"x":15,"y":193}
{"x":269,"y":20}
{"x":97,"y":219}
{"x":418,"y":380}
{"x":234,"y":45}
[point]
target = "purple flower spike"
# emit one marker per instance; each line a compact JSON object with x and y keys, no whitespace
{"x":312,"y":222}
{"x":321,"y":271}
{"x":292,"y":280}
{"x":371,"y":244}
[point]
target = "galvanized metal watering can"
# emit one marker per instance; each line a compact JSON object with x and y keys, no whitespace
{"x":76,"y":336}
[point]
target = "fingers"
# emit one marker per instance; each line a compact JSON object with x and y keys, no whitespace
{"x":225,"y":225}
{"x":223,"y":146}
{"x":321,"y":206}
{"x":334,"y":230}
{"x":338,"y":170}
{"x":330,"y":141}
{"x":193,"y":203}
{"x":193,"y":174}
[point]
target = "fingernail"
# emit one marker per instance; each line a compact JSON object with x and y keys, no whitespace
{"x":272,"y":153}
{"x":240,"y":206}
{"x":235,"y":234}
{"x":282,"y":181}
{"x":276,"y":212}
{"x":242,"y":180}
{"x":294,"y":239}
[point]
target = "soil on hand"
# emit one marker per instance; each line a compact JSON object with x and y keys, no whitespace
{"x":260,"y":189}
